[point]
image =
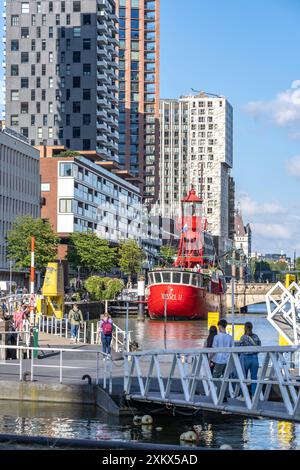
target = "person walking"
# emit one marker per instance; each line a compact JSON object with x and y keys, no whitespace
{"x":106,"y":330}
{"x":221,"y":340}
{"x":249,"y":360}
{"x":76,"y":319}
{"x":213,"y":331}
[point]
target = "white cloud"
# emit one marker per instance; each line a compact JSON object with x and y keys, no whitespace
{"x":271,"y":231}
{"x":293,"y":166}
{"x":251,"y":207}
{"x":284,"y":109}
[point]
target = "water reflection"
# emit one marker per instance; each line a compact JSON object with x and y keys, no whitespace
{"x":90,"y":423}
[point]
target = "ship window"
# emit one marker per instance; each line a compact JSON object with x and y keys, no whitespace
{"x":176,"y":278}
{"x":157,"y":278}
{"x":151,"y":279}
{"x":186,"y":278}
{"x":195,"y":280}
{"x":166,"y":277}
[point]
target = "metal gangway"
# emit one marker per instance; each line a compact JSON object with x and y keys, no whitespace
{"x":283,"y":306}
{"x":183,"y":380}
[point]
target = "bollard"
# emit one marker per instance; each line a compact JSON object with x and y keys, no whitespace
{"x":35,"y":342}
{"x":141,"y":298}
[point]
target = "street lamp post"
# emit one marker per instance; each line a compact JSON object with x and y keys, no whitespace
{"x":10,"y":277}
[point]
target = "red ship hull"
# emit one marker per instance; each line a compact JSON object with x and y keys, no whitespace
{"x":182,"y":302}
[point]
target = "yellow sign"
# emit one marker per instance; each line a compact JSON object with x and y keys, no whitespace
{"x":289,"y":279}
{"x":212,"y":319}
{"x":239,"y":331}
{"x":283,"y":341}
{"x":54,"y":280}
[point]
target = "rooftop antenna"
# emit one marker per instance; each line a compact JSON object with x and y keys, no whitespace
{"x":209,"y":94}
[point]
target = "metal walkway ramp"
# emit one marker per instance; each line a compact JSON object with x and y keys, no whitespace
{"x":284,"y":314}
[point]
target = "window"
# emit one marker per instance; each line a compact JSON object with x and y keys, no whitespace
{"x":76,"y":82}
{"x":68,"y":69}
{"x":14,"y":120}
{"x":86,"y":69}
{"x":14,"y":70}
{"x":86,"y":44}
{"x":50,"y":31}
{"x":44,"y":20}
{"x":66,"y":169}
{"x":40,"y":132}
{"x":32,"y":69}
{"x":25,"y":7}
{"x":76,"y":56}
{"x":86,"y":144}
{"x":45,"y":120}
{"x":68,"y":44}
{"x":50,"y":7}
{"x":24,"y":108}
{"x":68,"y":119}
{"x":63,"y":32}
{"x":38,"y":107}
{"x":50,"y":132}
{"x":62,"y":57}
{"x":68,"y":19}
{"x":33,"y":45}
{"x":24,"y":131}
{"x":33,"y":20}
{"x":76,"y":132}
{"x":77,"y":32}
{"x":24,"y":57}
{"x":50,"y":82}
{"x":32,"y":120}
{"x":38,"y":57}
{"x":76,"y":106}
{"x":50,"y":57}
{"x":44,"y":95}
{"x":38,"y":82}
{"x":86,"y":94}
{"x":76,"y":6}
{"x":38,"y":7}
{"x":57,"y":20}
{"x":43,"y":44}
{"x":65,"y":206}
{"x":86,"y":19}
{"x":24,"y":33}
{"x":14,"y":95}
{"x":50,"y":107}
{"x":14,"y":45}
{"x":45,"y":187}
{"x":24,"y":82}
{"x":14,"y":20}
{"x":43,"y":69}
{"x":86,"y":119}
{"x":38,"y":32}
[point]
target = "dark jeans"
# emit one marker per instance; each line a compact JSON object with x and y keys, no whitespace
{"x":106,"y":340}
{"x":250,"y":363}
{"x":218,"y":372}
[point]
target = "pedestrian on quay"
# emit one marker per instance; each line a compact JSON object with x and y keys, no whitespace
{"x":106,"y":330}
{"x":213,"y":331}
{"x":76,"y":319}
{"x":221,"y":340}
{"x":249,"y":360}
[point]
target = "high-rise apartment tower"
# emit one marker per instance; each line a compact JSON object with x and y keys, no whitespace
{"x":139,"y":91}
{"x":61,"y":73}
{"x":197,"y":150}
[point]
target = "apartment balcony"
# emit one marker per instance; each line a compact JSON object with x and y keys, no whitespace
{"x":102,"y":77}
{"x":102,"y":39}
{"x":102,"y":102}
{"x":102,"y":150}
{"x":112,"y":74}
{"x":102,"y":63}
{"x":102,"y":27}
{"x":102,"y":114}
{"x":102,"y":88}
{"x":102,"y":138}
{"x":102,"y":126}
{"x":102,"y":52}
{"x":113,"y":88}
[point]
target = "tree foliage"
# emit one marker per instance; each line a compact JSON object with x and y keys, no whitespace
{"x":131,"y":257}
{"x":19,"y":242}
{"x":168,"y":254}
{"x":68,"y":153}
{"x":103,"y":288}
{"x":91,"y":253}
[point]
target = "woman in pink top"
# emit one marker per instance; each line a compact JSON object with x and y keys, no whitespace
{"x":18,"y":317}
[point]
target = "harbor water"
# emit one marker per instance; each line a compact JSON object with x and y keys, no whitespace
{"x":88,"y":422}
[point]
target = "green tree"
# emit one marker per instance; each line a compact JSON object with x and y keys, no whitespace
{"x":103,"y":288}
{"x":168,"y":254}
{"x":131,"y":258}
{"x":19,"y":242}
{"x":298,"y":264}
{"x":91,"y":253}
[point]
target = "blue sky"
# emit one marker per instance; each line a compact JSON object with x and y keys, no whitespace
{"x":249,"y":52}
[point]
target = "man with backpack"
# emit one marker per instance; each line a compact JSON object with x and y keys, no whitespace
{"x":76,"y":319}
{"x":106,"y":330}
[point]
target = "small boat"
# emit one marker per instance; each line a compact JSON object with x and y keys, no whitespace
{"x":193,"y":286}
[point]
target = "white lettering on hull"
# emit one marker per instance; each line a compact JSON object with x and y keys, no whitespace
{"x":174,"y":297}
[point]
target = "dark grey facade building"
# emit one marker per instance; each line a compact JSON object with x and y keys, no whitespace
{"x":61,"y":73}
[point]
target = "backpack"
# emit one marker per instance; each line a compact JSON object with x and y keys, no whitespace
{"x":76,"y":315}
{"x":107,"y":328}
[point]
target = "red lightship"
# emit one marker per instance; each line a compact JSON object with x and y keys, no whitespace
{"x":191,"y":288}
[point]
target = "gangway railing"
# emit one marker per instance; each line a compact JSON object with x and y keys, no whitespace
{"x":284,"y":314}
{"x":120,"y":341}
{"x":101,"y":363}
{"x":184,"y":378}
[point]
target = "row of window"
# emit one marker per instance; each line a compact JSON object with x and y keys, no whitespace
{"x":25,"y":7}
